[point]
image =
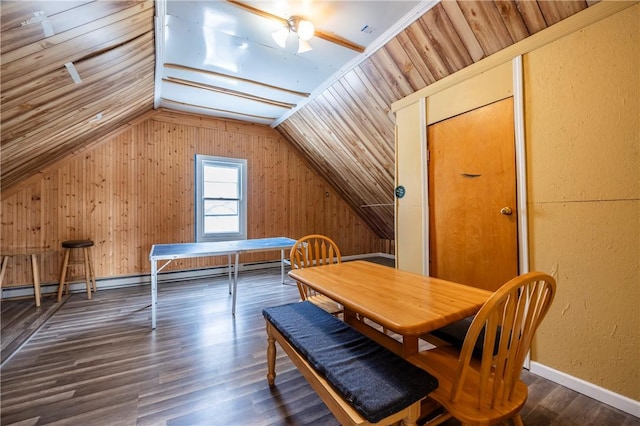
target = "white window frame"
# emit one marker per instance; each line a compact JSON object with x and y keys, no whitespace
{"x":241,"y":166}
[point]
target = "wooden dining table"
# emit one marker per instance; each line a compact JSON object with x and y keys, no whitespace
{"x":401,"y":302}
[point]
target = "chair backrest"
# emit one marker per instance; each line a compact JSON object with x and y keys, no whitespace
{"x":313,"y":250}
{"x":510,"y":318}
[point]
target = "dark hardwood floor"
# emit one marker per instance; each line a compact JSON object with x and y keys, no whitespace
{"x":97,"y":362}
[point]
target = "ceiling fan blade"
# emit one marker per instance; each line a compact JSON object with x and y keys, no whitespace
{"x":319,"y":33}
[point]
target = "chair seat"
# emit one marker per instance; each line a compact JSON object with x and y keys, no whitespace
{"x":442,"y":363}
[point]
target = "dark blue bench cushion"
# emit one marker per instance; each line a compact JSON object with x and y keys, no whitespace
{"x":374,"y":380}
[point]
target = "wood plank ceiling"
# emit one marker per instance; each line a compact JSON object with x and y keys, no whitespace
{"x":46,"y":116}
{"x":346,"y":132}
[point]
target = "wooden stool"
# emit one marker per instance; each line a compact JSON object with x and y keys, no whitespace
{"x":87,"y":262}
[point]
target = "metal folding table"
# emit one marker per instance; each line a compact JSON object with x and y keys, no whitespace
{"x":170,"y":252}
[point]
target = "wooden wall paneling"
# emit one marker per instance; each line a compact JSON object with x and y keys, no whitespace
{"x":556,"y":11}
{"x":378,"y":81}
{"x":334,"y":160}
{"x":394,"y":48}
{"x":355,"y":141}
{"x":49,"y":230}
{"x":372,"y":93}
{"x":531,"y":15}
{"x":428,"y":56}
{"x":392,"y":73}
{"x":300,"y":128}
{"x":414,"y":56}
{"x":262,"y":171}
{"x":364,"y":124}
{"x":487,"y":25}
{"x":148,"y":188}
{"x":369,"y":106}
{"x":445,"y":39}
{"x":136,"y":189}
{"x":512,"y":19}
{"x":463,"y":30}
{"x":99,"y":176}
{"x":9,"y":227}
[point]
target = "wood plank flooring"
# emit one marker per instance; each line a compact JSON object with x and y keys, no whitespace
{"x":97,"y":362}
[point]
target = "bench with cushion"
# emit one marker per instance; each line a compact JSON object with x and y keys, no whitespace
{"x":360,"y":381}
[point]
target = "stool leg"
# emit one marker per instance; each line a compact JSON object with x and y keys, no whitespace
{"x":36,"y":278}
{"x":87,"y":271}
{"x":63,"y":273}
{"x":91,"y":271}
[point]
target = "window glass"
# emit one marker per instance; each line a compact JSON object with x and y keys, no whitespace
{"x":220,"y":198}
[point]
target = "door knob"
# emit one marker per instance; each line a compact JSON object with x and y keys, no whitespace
{"x":506,"y":211}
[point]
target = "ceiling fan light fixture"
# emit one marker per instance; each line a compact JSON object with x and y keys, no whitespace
{"x":305,"y":30}
{"x":280,"y":36}
{"x":303,"y":46}
{"x":295,"y":24}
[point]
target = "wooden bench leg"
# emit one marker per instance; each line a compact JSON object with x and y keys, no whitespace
{"x":271,"y":356}
{"x":412,"y":417}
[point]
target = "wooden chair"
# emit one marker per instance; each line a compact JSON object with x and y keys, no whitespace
{"x":489,"y":390}
{"x":315,"y":250}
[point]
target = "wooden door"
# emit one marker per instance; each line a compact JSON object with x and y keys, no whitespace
{"x":472,"y":197}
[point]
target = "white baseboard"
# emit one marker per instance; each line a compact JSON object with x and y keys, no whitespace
{"x":598,"y":393}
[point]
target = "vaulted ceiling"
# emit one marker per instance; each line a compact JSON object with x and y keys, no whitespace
{"x":75,"y":71}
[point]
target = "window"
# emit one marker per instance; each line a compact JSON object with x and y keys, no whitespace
{"x":221,"y":202}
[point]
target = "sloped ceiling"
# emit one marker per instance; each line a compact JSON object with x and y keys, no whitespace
{"x":46,"y":115}
{"x":346,"y":132}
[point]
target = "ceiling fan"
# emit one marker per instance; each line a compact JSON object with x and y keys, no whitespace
{"x":296,"y":24}
{"x":301,"y":26}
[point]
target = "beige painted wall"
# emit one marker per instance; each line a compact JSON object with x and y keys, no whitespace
{"x":582,"y":115}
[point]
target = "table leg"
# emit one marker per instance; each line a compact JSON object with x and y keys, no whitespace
{"x":229,"y":267}
{"x":409,"y":345}
{"x":282,"y":265}
{"x":235,"y":285}
{"x":36,"y":278}
{"x":154,"y":295}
